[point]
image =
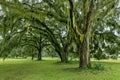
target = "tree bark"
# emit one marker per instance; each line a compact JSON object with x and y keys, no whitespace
{"x":63,"y":56}
{"x":83,"y":45}
{"x":84,"y":53}
{"x":32,"y":56}
{"x":39,"y":55}
{"x":66,"y":52}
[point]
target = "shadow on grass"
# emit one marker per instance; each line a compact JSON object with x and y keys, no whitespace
{"x":76,"y":69}
{"x":62,"y":63}
{"x":39,"y":60}
{"x":83,"y":70}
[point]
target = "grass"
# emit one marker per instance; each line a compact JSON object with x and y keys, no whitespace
{"x":25,"y":69}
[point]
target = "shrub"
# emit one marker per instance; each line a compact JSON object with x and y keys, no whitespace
{"x":98,"y":66}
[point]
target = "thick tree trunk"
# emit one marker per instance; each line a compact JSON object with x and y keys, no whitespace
{"x":84,"y":53}
{"x":83,"y":28}
{"x":66,"y":53}
{"x":39,"y":55}
{"x":84,"y":47}
{"x":62,"y":55}
{"x":66,"y":57}
{"x":63,"y":58}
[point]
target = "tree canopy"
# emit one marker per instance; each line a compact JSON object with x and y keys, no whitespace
{"x":90,"y":26}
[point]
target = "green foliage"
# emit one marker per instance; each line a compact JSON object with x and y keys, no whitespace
{"x":114,"y":57}
{"x":100,"y":56}
{"x":98,"y":66}
{"x":40,"y":23}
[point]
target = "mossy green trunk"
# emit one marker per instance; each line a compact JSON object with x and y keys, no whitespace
{"x":84,"y":53}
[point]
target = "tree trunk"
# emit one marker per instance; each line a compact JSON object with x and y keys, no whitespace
{"x":83,"y":28}
{"x":84,"y":53}
{"x":66,"y":57}
{"x":32,"y":56}
{"x":62,"y":55}
{"x":66,"y":53}
{"x":39,"y":55}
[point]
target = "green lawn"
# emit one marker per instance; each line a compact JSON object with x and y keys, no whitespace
{"x":25,"y":69}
